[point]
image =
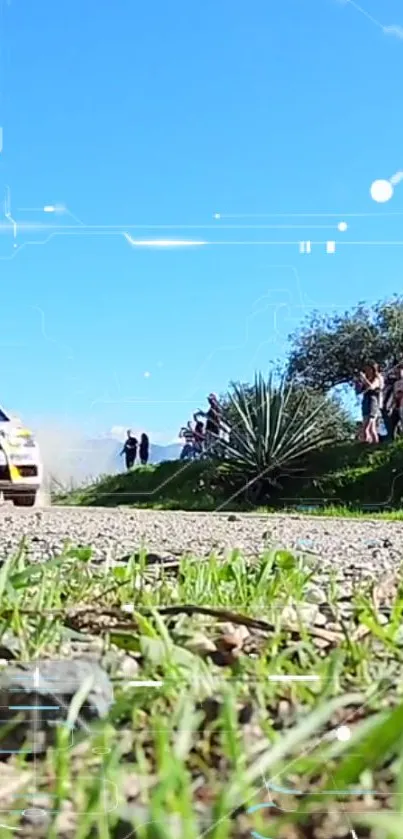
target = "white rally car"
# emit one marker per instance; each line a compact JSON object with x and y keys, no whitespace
{"x":21,"y":469}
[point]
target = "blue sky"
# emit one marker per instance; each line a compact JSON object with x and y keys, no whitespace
{"x":164,"y":114}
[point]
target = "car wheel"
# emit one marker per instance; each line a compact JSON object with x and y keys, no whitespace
{"x":26,"y":499}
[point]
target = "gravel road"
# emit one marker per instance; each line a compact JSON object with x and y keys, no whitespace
{"x":357,"y":547}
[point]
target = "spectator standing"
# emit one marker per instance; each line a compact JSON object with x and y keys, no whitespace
{"x":225,"y":436}
{"x":371,"y":386}
{"x":213,"y":422}
{"x":130,"y":450}
{"x":398,"y":401}
{"x":144,"y":450}
{"x":186,"y":434}
{"x":198,"y":439}
{"x":389,"y":414}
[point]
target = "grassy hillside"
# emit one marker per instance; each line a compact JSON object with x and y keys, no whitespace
{"x":169,"y":485}
{"x":348,"y":475}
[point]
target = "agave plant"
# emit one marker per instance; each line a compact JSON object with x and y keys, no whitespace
{"x":273,"y":427}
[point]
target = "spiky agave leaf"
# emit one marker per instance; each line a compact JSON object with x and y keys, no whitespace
{"x":275,"y":426}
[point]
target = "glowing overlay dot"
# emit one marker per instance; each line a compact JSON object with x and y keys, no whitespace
{"x":343,"y":733}
{"x":342,"y":226}
{"x":34,"y":813}
{"x":381,"y":191}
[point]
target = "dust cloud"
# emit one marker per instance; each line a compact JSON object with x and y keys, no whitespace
{"x":72,"y":459}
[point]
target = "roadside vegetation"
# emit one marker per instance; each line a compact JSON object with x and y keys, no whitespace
{"x":293,"y":441}
{"x":345,"y":479}
{"x":276,"y":708}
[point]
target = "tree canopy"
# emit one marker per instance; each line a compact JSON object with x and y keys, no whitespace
{"x":331,"y":349}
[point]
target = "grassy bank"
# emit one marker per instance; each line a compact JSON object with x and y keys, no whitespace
{"x":170,"y":485}
{"x":288,"y":726}
{"x":352,"y":477}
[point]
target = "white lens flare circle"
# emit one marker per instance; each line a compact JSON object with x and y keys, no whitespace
{"x":381,"y":191}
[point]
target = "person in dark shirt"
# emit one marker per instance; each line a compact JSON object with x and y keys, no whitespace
{"x":144,"y":449}
{"x":186,"y":434}
{"x":213,"y":422}
{"x":130,"y":450}
{"x":390,"y":412}
{"x":198,"y":438}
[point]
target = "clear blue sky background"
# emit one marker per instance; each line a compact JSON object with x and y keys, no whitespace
{"x":166,"y":113}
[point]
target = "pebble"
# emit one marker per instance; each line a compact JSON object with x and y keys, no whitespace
{"x":307,"y":612}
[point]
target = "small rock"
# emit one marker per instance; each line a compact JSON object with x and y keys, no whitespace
{"x":320,"y":620}
{"x":308,"y":613}
{"x":240,"y":630}
{"x":147,"y":558}
{"x":382,"y":619}
{"x":120,"y":665}
{"x":232,"y":637}
{"x":316,"y":595}
{"x":131,"y":786}
{"x":66,"y":819}
{"x":129,"y":667}
{"x":227,"y":643}
{"x":9,"y":647}
{"x":245,"y":714}
{"x":200,"y":644}
{"x":320,"y":643}
{"x":211,"y":708}
{"x":225,"y":658}
{"x":41,"y":693}
{"x":232,"y":518}
{"x":282,"y":715}
{"x":305,"y":545}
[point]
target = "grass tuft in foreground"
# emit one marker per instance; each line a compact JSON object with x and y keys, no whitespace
{"x":273,"y":685}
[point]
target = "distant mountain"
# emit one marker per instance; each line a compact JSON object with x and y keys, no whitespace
{"x":161,"y":453}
